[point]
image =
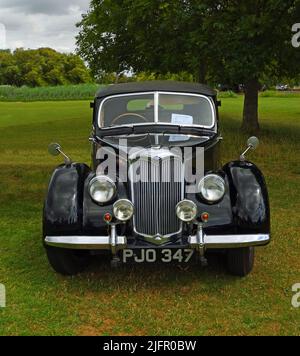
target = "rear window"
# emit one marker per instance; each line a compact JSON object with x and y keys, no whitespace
{"x":139,"y":104}
{"x":185,"y":110}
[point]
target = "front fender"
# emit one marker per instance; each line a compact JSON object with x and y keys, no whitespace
{"x":249,"y":197}
{"x":63,"y":209}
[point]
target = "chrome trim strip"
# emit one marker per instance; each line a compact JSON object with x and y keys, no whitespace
{"x":87,"y":242}
{"x":156,"y":107}
{"x":156,"y":101}
{"x":230,"y":241}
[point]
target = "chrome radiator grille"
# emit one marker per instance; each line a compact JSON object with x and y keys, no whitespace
{"x":157,"y":187}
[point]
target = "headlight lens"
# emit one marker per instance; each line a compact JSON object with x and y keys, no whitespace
{"x":212,"y":188}
{"x":102,"y":189}
{"x":123,"y":210}
{"x":186,"y":210}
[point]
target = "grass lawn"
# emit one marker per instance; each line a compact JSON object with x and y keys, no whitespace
{"x":143,"y":300}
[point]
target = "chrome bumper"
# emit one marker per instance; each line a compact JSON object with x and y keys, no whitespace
{"x":87,"y":242}
{"x":229,"y":241}
{"x":115,"y":243}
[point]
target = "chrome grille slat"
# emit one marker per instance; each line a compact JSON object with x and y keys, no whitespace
{"x":156,"y":195}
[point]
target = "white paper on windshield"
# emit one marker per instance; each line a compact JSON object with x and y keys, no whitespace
{"x":178,"y":119}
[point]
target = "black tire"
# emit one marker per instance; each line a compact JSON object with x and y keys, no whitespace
{"x":240,"y":262}
{"x":67,"y":262}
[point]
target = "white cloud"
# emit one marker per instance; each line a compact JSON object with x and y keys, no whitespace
{"x":2,"y":36}
{"x":53,"y":7}
{"x":34,"y":23}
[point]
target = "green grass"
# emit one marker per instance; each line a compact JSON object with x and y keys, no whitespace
{"x":264,"y":94}
{"x":143,"y":300}
{"x":280,"y":94}
{"x":64,"y":92}
{"x":227,"y":94}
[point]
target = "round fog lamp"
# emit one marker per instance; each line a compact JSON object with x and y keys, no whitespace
{"x":186,"y":211}
{"x":123,"y":210}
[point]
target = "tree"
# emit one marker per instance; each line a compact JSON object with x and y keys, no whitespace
{"x":239,"y":40}
{"x":120,"y":35}
{"x":76,"y":71}
{"x":43,"y":66}
{"x":252,"y":40}
{"x":33,"y":79}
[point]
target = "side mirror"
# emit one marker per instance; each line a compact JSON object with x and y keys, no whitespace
{"x":55,"y":149}
{"x":252,"y":144}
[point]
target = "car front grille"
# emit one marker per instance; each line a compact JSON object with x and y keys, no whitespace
{"x":157,"y":187}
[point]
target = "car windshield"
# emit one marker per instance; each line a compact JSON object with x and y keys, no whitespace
{"x":150,"y":108}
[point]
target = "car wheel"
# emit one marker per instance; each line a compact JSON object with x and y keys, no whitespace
{"x":240,"y":262}
{"x":67,"y":262}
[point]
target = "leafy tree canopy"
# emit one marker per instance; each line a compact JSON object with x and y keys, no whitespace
{"x":220,"y":40}
{"x":41,"y":67}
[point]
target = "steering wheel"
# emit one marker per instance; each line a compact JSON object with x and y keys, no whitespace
{"x":128,"y":114}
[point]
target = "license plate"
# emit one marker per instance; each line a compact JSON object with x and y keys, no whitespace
{"x":156,"y":255}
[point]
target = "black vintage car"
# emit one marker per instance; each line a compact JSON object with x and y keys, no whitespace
{"x":156,"y":190}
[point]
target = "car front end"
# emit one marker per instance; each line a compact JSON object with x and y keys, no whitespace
{"x":156,"y":190}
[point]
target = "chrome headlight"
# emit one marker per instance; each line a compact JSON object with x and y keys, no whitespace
{"x":186,"y":210}
{"x":212,"y":188}
{"x":123,"y":210}
{"x":102,"y":189}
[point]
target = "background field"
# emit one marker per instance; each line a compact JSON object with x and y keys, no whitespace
{"x":87,"y":92}
{"x":142,"y":300}
{"x":62,"y":92}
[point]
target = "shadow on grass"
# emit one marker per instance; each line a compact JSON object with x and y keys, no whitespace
{"x":279,"y":132}
{"x":152,"y":276}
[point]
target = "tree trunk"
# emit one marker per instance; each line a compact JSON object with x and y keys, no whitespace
{"x":250,"y":115}
{"x":201,"y":74}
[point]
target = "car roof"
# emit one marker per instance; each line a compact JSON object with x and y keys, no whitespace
{"x":167,"y":86}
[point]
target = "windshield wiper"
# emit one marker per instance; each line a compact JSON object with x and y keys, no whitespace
{"x":97,"y":139}
{"x":115,"y":130}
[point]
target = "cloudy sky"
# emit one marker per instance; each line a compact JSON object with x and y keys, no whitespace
{"x":40,"y":23}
